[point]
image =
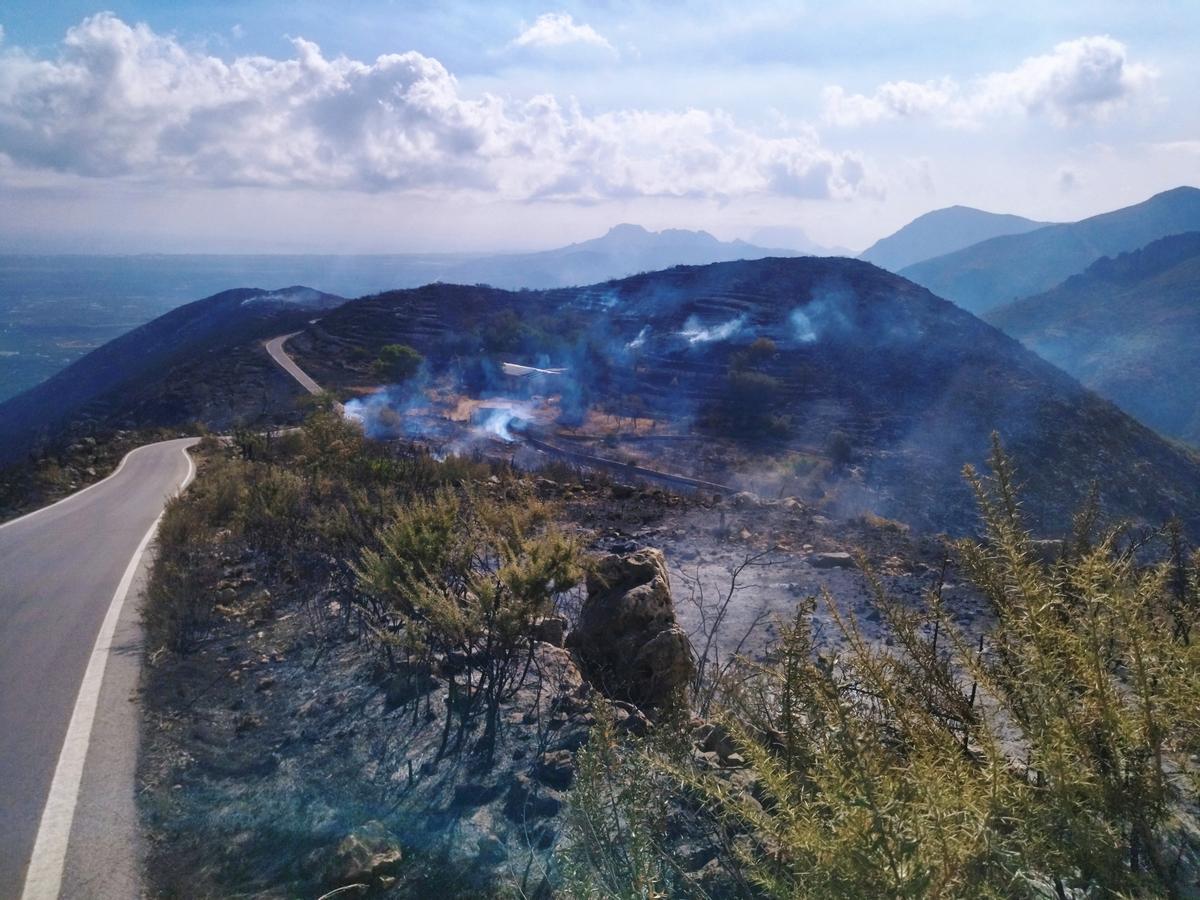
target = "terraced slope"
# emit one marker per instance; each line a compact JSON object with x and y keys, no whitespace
{"x":915,"y":383}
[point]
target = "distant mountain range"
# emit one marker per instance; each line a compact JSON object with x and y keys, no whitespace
{"x":1000,"y":270}
{"x":794,"y":238}
{"x":1128,"y":327}
{"x":624,"y":250}
{"x":940,"y":232}
{"x":158,"y":374}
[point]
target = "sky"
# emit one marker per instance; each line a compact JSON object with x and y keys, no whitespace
{"x":393,"y":127}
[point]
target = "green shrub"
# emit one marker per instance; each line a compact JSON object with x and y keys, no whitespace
{"x":398,"y":363}
{"x":1052,"y":756}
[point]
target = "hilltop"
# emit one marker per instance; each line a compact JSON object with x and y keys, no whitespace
{"x":1126,"y":327}
{"x":940,"y":232}
{"x":737,"y":371}
{"x":195,"y":363}
{"x":1003,"y":269}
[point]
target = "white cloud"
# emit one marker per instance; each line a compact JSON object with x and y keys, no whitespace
{"x":1086,"y":78}
{"x":123,"y":102}
{"x":557,"y":29}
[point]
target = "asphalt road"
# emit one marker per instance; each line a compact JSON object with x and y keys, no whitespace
{"x":69,"y":661}
{"x":275,"y":348}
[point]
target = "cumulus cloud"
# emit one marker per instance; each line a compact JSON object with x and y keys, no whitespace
{"x":122,"y":101}
{"x":1086,"y":78}
{"x":557,"y":29}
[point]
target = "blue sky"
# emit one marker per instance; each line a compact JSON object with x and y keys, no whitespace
{"x":392,"y":126}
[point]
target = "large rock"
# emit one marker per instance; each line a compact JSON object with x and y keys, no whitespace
{"x":628,"y":640}
{"x":368,"y":855}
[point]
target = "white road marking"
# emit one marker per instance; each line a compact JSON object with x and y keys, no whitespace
{"x":43,"y":878}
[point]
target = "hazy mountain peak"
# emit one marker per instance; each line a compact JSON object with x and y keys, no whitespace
{"x":626,"y":229}
{"x":943,"y":231}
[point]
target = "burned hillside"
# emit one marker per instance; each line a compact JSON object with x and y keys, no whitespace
{"x":825,"y":378}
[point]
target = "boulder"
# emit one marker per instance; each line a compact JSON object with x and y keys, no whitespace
{"x":366,"y":855}
{"x":627,"y":639}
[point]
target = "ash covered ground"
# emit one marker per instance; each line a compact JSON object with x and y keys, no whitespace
{"x":280,"y":759}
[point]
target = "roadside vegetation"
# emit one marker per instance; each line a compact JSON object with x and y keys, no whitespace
{"x":1050,"y":752}
{"x":72,"y":463}
{"x":1054,"y":755}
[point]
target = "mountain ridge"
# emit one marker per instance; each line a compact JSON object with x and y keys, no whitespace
{"x":1126,"y":327}
{"x":943,"y":231}
{"x":1003,"y":269}
{"x":109,"y":378}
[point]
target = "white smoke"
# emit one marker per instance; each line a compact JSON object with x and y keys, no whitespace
{"x":498,"y":423}
{"x":640,"y":340}
{"x":802,"y":326}
{"x":700,"y":334}
{"x":378,"y":415}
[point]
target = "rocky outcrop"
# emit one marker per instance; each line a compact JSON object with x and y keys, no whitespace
{"x":368,"y":857}
{"x":628,"y":641}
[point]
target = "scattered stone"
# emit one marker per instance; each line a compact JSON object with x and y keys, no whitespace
{"x":745,"y":500}
{"x":707,"y":758}
{"x":527,"y":799}
{"x":475,"y":793}
{"x":490,"y":850}
{"x":557,"y":768}
{"x":835,"y":560}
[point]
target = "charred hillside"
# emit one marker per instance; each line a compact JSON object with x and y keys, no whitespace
{"x":877,"y":386}
{"x":199,"y":362}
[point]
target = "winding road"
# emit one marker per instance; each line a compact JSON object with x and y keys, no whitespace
{"x":279,"y":355}
{"x":69,"y":662}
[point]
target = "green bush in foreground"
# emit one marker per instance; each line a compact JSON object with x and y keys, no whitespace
{"x":1053,"y":757}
